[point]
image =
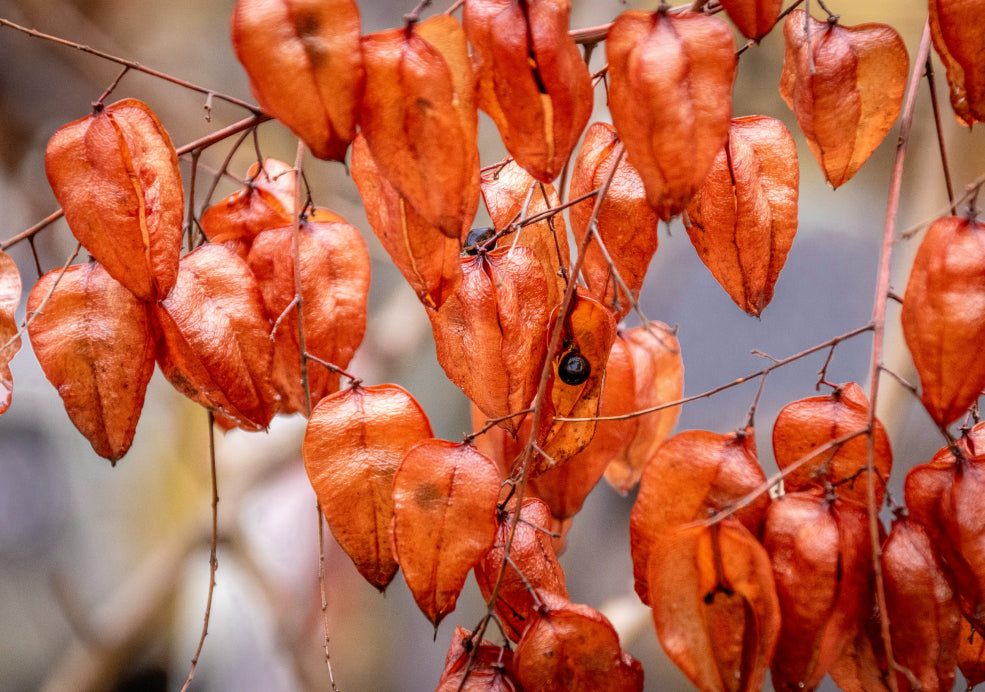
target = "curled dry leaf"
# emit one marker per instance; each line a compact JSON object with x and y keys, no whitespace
{"x":94,"y":342}
{"x":532,"y":80}
{"x":818,"y":548}
{"x":693,"y":474}
{"x":354,"y":442}
{"x":335,"y":271}
{"x":942,"y":325}
{"x":115,"y":174}
{"x":805,"y":425}
{"x":264,"y":202}
{"x":506,"y":191}
{"x":10,"y":341}
{"x":670,"y":98}
{"x":305,"y":66}
{"x":845,"y":86}
{"x":426,"y":257}
{"x":533,"y":564}
{"x":626,"y":224}
{"x":213,"y":342}
{"x":420,"y":121}
{"x":489,"y":334}
{"x":715,"y":607}
{"x":754,"y":18}
{"x":572,"y":647}
{"x":926,"y":619}
{"x":957,"y":28}
{"x":743,"y":219}
{"x":658,"y":373}
{"x":444,"y":520}
{"x":491,"y":669}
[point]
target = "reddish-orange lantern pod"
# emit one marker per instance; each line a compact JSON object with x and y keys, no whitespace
{"x":957,"y":27}
{"x":754,"y":18}
{"x":10,"y":341}
{"x":305,"y":66}
{"x":491,"y":666}
{"x":115,"y":173}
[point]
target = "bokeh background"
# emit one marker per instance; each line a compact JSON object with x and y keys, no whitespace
{"x":104,"y":571}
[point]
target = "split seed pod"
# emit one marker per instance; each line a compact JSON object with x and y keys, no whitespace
{"x":532,"y":80}
{"x":626,"y":224}
{"x":305,"y":66}
{"x":670,"y":97}
{"x":957,"y":29}
{"x":334,"y":289}
{"x":754,"y":18}
{"x":743,"y":220}
{"x":115,"y":174}
{"x":354,"y":442}
{"x":942,"y":324}
{"x":420,"y":121}
{"x":845,"y":86}
{"x":94,"y":341}
{"x":10,"y":342}
{"x":444,"y":520}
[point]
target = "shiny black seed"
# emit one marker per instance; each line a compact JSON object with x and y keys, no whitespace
{"x":574,"y":368}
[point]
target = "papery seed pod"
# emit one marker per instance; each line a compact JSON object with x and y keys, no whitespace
{"x":942,"y":324}
{"x":956,"y":28}
{"x":420,"y":121}
{"x":805,"y":425}
{"x":334,"y":287}
{"x":305,"y":66}
{"x":715,"y":607}
{"x":93,"y":339}
{"x":571,"y":646}
{"x":115,"y":174}
{"x":658,"y":373}
{"x":845,"y":85}
{"x":425,"y":257}
{"x":626,"y":223}
{"x":971,"y":654}
{"x":920,"y":604}
{"x":489,"y":668}
{"x":670,"y":97}
{"x":533,"y":564}
{"x":743,"y":219}
{"x":532,"y":79}
{"x":10,"y":342}
{"x":354,"y":442}
{"x":213,"y":342}
{"x":693,"y":474}
{"x":754,"y":18}
{"x":444,"y":520}
{"x":817,"y":581}
{"x":506,"y":191}
{"x":489,"y":333}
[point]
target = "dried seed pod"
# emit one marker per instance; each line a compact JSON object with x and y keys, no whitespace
{"x":971,"y":654}
{"x":444,"y":520}
{"x":334,"y":288}
{"x":491,"y":667}
{"x":419,"y":119}
{"x":532,"y":80}
{"x":754,"y":18}
{"x":626,"y":223}
{"x":116,"y":175}
{"x":10,"y":342}
{"x":305,"y":66}
{"x":94,"y":341}
{"x":354,"y":442}
{"x":803,"y":426}
{"x":743,"y":219}
{"x":845,"y":85}
{"x":670,"y":98}
{"x":942,"y":324}
{"x":957,"y":28}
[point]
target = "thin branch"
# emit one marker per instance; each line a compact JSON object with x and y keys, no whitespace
{"x":321,"y":590}
{"x":929,"y":73}
{"x":334,"y":368}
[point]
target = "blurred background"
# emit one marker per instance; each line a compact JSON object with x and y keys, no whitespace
{"x":104,"y":571}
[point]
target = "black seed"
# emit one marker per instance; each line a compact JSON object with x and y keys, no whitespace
{"x":574,"y":368}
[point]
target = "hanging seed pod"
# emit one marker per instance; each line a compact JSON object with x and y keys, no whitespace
{"x":670,"y":97}
{"x":10,"y":342}
{"x":845,"y":85}
{"x":354,"y":442}
{"x":532,"y":80}
{"x":305,"y":66}
{"x":490,"y":670}
{"x":957,"y":28}
{"x":115,"y":174}
{"x":743,"y":219}
{"x":94,"y":342}
{"x":754,"y":18}
{"x":942,"y":325}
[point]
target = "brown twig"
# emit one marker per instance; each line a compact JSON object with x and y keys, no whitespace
{"x":932,"y":88}
{"x":321,"y":590}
